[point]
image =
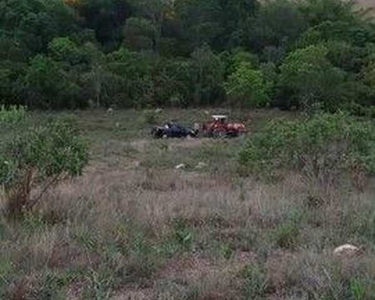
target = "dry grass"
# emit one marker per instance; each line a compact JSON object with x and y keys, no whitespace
{"x":367,"y":3}
{"x":133,"y":227}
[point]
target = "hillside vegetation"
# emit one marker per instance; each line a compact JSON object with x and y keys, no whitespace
{"x":137,"y":53}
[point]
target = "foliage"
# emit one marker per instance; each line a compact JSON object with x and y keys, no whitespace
{"x":139,"y":34}
{"x":312,"y":79}
{"x":277,"y":23}
{"x":37,"y":154}
{"x":321,"y":146}
{"x":248,"y":86}
{"x":207,"y":76}
{"x":12,"y":115}
{"x":135,"y":53}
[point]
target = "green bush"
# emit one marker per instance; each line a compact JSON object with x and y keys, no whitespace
{"x":38,"y":156}
{"x":321,"y":146}
{"x":11,"y":115}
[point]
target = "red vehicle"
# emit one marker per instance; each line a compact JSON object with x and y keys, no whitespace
{"x":220,"y":127}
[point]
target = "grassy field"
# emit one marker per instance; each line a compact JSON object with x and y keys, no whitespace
{"x":133,"y":227}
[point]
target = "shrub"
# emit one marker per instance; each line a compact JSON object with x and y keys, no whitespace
{"x":321,"y":146}
{"x":38,"y":156}
{"x":12,"y":115}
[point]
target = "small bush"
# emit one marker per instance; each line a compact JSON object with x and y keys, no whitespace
{"x":11,"y":115}
{"x":321,"y":146}
{"x":37,"y":157}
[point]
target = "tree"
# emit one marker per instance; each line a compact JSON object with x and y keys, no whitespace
{"x":155,"y":11}
{"x":220,"y":24}
{"x":240,"y":56}
{"x":140,"y":34}
{"x":93,"y":80}
{"x":248,"y":87}
{"x":319,"y":11}
{"x":207,"y":76}
{"x":311,"y":79}
{"x":133,"y":77}
{"x":62,"y":49}
{"x":44,"y":81}
{"x":173,"y":82}
{"x":278,"y":23}
{"x":106,"y":18}
{"x":36,"y":155}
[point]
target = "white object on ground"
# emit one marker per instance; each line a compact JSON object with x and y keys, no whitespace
{"x":346,"y":250}
{"x":201,"y":165}
{"x":180,"y":166}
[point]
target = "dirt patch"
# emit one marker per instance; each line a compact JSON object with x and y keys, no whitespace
{"x":187,"y":269}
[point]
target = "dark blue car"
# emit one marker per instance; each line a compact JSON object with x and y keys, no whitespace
{"x":173,"y":129}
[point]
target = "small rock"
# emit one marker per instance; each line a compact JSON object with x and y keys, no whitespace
{"x":180,"y":166}
{"x":346,"y":250}
{"x":118,"y":125}
{"x":110,"y":111}
{"x":206,"y":112}
{"x":201,"y":165}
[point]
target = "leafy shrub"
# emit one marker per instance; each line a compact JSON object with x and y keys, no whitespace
{"x":11,"y":115}
{"x":41,"y":155}
{"x":321,"y":146}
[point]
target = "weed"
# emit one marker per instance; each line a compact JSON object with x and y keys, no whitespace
{"x":287,"y":234}
{"x":183,"y":234}
{"x":226,"y":251}
{"x":99,"y":284}
{"x":358,"y":289}
{"x":52,"y":286}
{"x":256,"y":283}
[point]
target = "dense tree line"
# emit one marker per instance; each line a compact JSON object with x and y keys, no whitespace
{"x":138,"y":53}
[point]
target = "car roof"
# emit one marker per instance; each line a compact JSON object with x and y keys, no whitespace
{"x":220,"y":117}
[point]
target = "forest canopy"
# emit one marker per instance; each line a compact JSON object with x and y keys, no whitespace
{"x":58,"y":54}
